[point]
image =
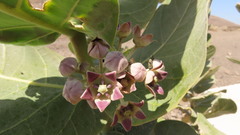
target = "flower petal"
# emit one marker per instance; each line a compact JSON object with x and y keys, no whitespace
{"x":140,"y":115}
{"x":140,"y":104}
{"x":111,"y":75}
{"x":92,"y":76}
{"x":151,"y":90}
{"x":92,"y":104}
{"x":159,"y":89}
{"x":149,"y":77}
{"x":127,"y":124}
{"x":116,"y":94}
{"x":133,"y":88}
{"x":115,"y":120}
{"x":87,"y":95}
{"x":102,"y":104}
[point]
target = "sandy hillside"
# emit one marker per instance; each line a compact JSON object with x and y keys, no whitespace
{"x":226,"y":38}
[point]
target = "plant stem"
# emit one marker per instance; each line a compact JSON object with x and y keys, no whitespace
{"x":101,"y":65}
{"x":80,"y":47}
{"x":18,"y":13}
{"x":119,"y":44}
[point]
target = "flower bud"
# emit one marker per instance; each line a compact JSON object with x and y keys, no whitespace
{"x":124,"y":30}
{"x":115,"y":61}
{"x":138,"y":71}
{"x":98,"y":48}
{"x":68,"y":66}
{"x":72,"y":90}
{"x":141,"y":41}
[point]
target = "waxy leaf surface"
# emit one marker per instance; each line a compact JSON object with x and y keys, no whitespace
{"x":31,"y":99}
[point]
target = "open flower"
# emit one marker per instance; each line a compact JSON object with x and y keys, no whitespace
{"x":127,"y":83}
{"x":155,"y":75}
{"x":68,"y":66}
{"x":115,"y":61}
{"x":141,"y":40}
{"x":124,"y":114}
{"x":72,"y":90}
{"x":102,"y":88}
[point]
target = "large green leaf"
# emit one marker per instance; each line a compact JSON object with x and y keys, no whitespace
{"x":56,"y":15}
{"x":205,"y":127}
{"x":31,"y":99}
{"x":172,"y":127}
{"x":180,"y":34}
{"x":137,"y":12}
{"x":19,"y":32}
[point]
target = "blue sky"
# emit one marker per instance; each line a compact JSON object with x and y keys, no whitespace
{"x":226,"y":9}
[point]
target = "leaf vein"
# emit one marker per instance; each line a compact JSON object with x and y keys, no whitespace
{"x":174,"y":30}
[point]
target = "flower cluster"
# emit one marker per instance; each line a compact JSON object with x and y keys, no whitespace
{"x":113,"y":76}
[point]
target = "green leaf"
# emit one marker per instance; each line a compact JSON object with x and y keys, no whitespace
{"x":137,"y":12}
{"x":145,"y":129}
{"x":205,"y":127}
{"x":212,"y":105}
{"x":211,"y":50}
{"x":206,"y":81}
{"x":233,"y":60}
{"x":16,"y":31}
{"x":56,"y":15}
{"x":31,"y":99}
{"x":100,"y":18}
{"x":180,"y":33}
{"x":172,"y":127}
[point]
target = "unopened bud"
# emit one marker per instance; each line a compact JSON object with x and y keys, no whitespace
{"x":72,"y":91}
{"x":98,"y":48}
{"x":138,"y":71}
{"x":141,"y":40}
{"x":124,"y":30}
{"x":115,"y":61}
{"x":136,"y":31}
{"x":68,"y":66}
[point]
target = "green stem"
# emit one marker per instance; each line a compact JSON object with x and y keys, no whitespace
{"x":120,"y":44}
{"x":15,"y":12}
{"x":101,"y":65}
{"x":80,"y":47}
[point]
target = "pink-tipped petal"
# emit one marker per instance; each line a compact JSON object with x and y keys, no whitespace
{"x":92,"y":76}
{"x":87,"y":95}
{"x":116,"y":94}
{"x":140,"y":115}
{"x":133,"y":88}
{"x":111,"y":75}
{"x":92,"y":104}
{"x":127,"y":124}
{"x":140,"y":104}
{"x":102,"y":104}
{"x":115,"y":120}
{"x":159,"y":90}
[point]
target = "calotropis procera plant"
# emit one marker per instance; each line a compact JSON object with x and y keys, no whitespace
{"x":108,"y":81}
